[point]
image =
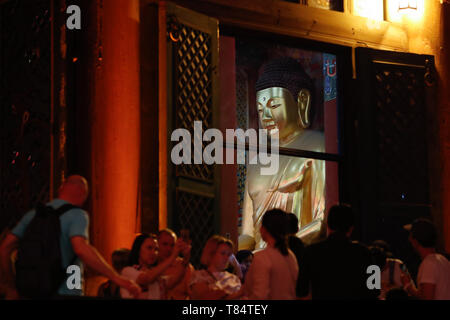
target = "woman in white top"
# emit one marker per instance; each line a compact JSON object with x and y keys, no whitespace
{"x":213,"y":282}
{"x":144,"y":271}
{"x":274,"y":270}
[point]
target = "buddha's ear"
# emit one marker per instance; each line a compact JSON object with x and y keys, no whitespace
{"x":304,"y":107}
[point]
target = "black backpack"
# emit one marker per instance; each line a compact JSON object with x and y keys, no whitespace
{"x":39,"y":271}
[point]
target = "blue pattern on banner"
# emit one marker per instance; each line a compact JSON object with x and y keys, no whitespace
{"x":329,"y":75}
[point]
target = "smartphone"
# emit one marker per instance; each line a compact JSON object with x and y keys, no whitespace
{"x":184,"y":234}
{"x":403,"y":268}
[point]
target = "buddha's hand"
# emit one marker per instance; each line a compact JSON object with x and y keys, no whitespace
{"x":293,"y":184}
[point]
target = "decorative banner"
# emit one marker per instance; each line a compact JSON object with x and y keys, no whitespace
{"x":329,"y":75}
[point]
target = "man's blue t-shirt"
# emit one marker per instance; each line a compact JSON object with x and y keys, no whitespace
{"x":74,"y":222}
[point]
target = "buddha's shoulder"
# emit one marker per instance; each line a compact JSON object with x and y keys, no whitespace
{"x":310,"y":140}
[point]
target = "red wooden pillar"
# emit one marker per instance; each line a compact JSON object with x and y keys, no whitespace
{"x":444,"y":118}
{"x":115,"y":128}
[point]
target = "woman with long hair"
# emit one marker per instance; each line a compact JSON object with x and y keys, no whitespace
{"x":145,"y":271}
{"x":274,"y":271}
{"x":213,"y":282}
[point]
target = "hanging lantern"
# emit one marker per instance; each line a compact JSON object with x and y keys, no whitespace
{"x":407,"y":4}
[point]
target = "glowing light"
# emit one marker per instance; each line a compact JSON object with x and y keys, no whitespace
{"x":372,"y":9}
{"x":407,"y":5}
{"x":405,"y":11}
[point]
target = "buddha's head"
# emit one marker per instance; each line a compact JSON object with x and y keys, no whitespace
{"x":284,"y":96}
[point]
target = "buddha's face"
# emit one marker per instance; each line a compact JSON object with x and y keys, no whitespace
{"x":278,"y":112}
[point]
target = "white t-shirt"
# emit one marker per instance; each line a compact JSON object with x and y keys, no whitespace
{"x":435,"y":269}
{"x":272,"y":276}
{"x":155,"y":290}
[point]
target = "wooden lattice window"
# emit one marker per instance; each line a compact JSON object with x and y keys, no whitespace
{"x":193,"y":91}
{"x":192,"y":48}
{"x":25,"y":107}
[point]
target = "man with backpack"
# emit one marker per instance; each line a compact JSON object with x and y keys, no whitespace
{"x":42,"y":260}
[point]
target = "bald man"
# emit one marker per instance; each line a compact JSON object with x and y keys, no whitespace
{"x":74,"y":241}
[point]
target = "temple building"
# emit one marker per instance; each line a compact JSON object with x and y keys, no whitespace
{"x":357,"y":93}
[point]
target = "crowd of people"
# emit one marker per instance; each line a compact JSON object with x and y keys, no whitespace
{"x":286,"y":269}
{"x":158,"y":266}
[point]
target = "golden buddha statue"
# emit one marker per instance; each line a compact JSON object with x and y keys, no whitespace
{"x":284,"y":102}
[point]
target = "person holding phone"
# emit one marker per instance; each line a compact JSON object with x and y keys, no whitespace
{"x":145,"y":270}
{"x":391,"y":269}
{"x":166,"y":241}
